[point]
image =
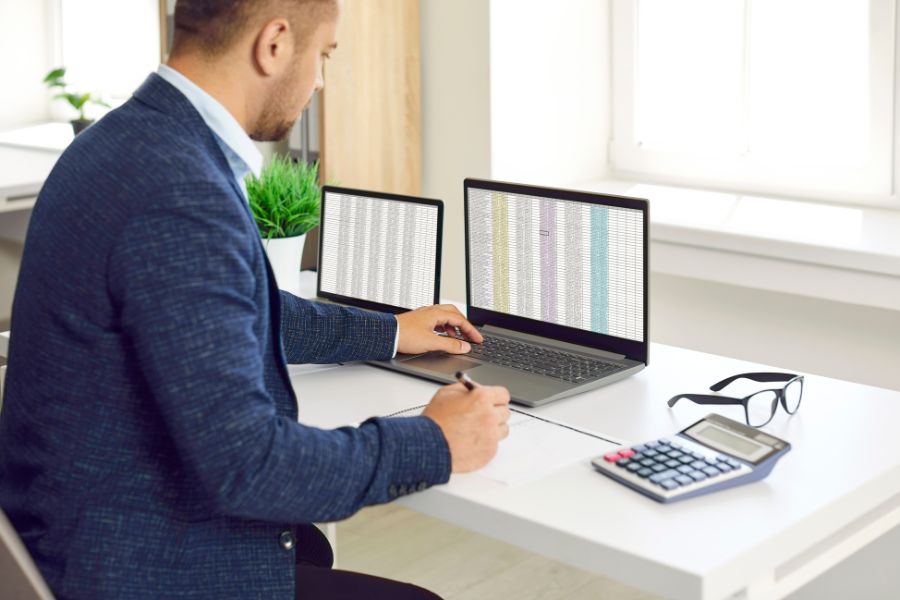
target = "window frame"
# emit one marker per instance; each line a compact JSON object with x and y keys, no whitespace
{"x":873,"y":184}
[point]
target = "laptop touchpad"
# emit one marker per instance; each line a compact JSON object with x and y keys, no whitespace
{"x":439,"y":362}
{"x":522,"y":386}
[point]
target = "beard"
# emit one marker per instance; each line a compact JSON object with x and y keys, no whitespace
{"x":275,"y":123}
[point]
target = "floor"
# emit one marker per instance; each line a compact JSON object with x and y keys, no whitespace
{"x":395,"y":542}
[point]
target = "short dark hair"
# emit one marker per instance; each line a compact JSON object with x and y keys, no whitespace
{"x":213,"y":25}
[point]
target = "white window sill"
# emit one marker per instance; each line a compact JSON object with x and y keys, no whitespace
{"x":841,"y":253}
{"x":52,"y":137}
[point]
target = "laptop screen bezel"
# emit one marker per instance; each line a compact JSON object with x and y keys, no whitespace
{"x":360,"y":302}
{"x":632,"y":349}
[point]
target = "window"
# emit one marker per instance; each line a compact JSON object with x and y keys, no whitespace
{"x":787,"y":97}
{"x":108,"y":46}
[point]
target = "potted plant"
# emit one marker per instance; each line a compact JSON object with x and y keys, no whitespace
{"x":285,"y":203}
{"x":79,"y":101}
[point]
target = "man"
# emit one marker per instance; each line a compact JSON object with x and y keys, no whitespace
{"x":149,"y":446}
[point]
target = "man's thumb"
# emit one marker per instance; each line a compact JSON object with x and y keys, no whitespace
{"x":453,"y":345}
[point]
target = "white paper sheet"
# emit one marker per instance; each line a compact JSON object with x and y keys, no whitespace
{"x":536,"y":448}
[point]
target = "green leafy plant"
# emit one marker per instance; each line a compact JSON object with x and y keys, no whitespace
{"x":55,"y":79}
{"x":285,"y":198}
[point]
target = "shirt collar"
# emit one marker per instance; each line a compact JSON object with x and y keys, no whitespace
{"x":220,"y":121}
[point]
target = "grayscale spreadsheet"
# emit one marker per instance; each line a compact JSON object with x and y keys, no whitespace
{"x":570,"y":263}
{"x":379,"y":250}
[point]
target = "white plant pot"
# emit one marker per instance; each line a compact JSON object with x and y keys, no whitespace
{"x":284,"y":256}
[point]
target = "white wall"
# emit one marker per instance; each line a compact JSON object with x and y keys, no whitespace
{"x":499,"y":103}
{"x":804,"y":334}
{"x":456,"y":141}
{"x":25,"y":60}
{"x":550,"y":90}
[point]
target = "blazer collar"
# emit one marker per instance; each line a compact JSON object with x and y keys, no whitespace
{"x":161,"y":95}
{"x":158,"y":93}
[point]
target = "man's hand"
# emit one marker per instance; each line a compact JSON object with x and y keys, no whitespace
{"x":418,"y":327}
{"x":472,"y":422}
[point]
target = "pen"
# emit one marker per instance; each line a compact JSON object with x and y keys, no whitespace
{"x":466,"y":380}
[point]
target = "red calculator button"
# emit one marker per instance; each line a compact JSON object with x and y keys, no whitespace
{"x":611,"y":457}
{"x":626,"y":453}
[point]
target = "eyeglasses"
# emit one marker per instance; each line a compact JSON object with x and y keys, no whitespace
{"x":759,"y":407}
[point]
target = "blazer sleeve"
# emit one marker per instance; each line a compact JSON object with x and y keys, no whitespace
{"x":314,"y":332}
{"x":181,"y":278}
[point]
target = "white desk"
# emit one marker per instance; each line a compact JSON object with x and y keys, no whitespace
{"x":824,"y":500}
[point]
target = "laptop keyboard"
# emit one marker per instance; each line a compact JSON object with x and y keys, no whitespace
{"x":566,"y":366}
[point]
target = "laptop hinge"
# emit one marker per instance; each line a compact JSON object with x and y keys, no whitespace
{"x":536,"y":339}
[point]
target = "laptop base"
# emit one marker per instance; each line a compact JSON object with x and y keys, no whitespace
{"x":525,"y":388}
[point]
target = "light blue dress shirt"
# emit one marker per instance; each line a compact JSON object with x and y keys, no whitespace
{"x":243,"y":156}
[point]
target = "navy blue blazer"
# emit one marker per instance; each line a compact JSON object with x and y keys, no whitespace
{"x":149,"y":443}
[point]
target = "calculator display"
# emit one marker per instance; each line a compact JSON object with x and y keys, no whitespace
{"x":727,"y":441}
{"x":739,"y":445}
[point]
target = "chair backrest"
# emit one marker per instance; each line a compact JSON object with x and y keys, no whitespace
{"x":19,"y":576}
{"x":4,"y":352}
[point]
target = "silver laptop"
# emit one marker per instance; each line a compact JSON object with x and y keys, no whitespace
{"x":557,"y":284}
{"x":379,"y":251}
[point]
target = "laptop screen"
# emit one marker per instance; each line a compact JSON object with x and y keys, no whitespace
{"x":570,"y":259}
{"x":379,"y":251}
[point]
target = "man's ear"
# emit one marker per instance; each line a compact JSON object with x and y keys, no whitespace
{"x":273,"y":47}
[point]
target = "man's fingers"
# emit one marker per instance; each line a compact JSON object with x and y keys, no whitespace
{"x":452,"y":345}
{"x":450,"y":315}
{"x":501,"y":398}
{"x":504,"y":431}
{"x":455,"y":387}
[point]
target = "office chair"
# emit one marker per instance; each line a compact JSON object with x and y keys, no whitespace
{"x":4,"y":352}
{"x":21,"y":578}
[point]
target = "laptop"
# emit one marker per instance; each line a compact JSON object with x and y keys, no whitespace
{"x":556,"y":282}
{"x":379,"y":251}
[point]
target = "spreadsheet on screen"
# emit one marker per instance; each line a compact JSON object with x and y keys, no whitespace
{"x":380,"y":250}
{"x":566,"y":262}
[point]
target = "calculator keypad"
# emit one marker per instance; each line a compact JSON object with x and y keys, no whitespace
{"x":665,"y":466}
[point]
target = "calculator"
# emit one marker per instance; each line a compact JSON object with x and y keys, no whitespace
{"x":713,"y":454}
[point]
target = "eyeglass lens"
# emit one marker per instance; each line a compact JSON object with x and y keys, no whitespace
{"x":760,"y":407}
{"x":792,"y":394}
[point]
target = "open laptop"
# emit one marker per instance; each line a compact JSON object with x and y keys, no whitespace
{"x":379,"y":251}
{"x":556,"y":282}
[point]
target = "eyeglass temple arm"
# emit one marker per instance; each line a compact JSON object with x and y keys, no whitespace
{"x":705,"y":399}
{"x":762,"y":377}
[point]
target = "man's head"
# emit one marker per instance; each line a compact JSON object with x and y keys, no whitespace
{"x":274,"y":51}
